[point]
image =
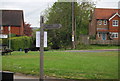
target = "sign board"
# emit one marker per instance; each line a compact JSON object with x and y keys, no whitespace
{"x":72,"y":37}
{"x":52,"y":26}
{"x":38,"y":39}
{"x":3,"y":36}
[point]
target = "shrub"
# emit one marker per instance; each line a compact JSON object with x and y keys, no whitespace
{"x":4,"y":41}
{"x":22,"y":42}
{"x":93,"y":37}
{"x":83,"y":46}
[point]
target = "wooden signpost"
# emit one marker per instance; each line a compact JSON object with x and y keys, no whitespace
{"x":52,"y":26}
{"x":42,"y":27}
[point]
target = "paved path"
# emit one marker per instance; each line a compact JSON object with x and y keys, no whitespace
{"x":22,"y":76}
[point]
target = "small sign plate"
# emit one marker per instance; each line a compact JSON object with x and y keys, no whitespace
{"x":38,"y":39}
{"x":3,"y":36}
{"x":52,"y":26}
{"x":72,"y":37}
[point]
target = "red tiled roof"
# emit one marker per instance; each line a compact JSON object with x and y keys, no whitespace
{"x":105,"y":13}
{"x":11,"y":17}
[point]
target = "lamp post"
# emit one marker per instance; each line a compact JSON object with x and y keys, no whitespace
{"x":9,"y":28}
{"x":73,"y":26}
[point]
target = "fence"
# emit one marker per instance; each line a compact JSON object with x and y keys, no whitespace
{"x":111,"y":42}
{"x":84,"y":39}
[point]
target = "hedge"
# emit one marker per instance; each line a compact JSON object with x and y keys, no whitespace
{"x":0,"y":40}
{"x":18,"y":43}
{"x":22,"y":42}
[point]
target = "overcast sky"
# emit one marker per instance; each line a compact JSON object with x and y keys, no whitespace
{"x":34,"y":8}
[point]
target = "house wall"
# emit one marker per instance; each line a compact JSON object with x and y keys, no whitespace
{"x":102,"y":25}
{"x":22,"y":29}
{"x":100,"y":38}
{"x":92,"y":25}
{"x":101,"y":28}
{"x":14,"y":30}
{"x":114,"y":28}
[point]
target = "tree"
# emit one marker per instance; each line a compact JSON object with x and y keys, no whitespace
{"x":27,"y":29}
{"x":83,"y":16}
{"x":60,"y":13}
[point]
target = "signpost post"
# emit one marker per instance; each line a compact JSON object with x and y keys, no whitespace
{"x":42,"y":27}
{"x":41,"y":47}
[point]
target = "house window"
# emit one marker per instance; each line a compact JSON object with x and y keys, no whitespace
{"x":115,"y":35}
{"x":99,"y":22}
{"x":105,"y":22}
{"x":115,"y":22}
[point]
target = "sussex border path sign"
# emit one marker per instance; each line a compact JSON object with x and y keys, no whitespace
{"x":38,"y":39}
{"x":52,"y":26}
{"x":42,"y":27}
{"x":3,"y":36}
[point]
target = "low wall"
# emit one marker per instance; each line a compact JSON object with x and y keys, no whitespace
{"x":112,"y":42}
{"x":85,"y":39}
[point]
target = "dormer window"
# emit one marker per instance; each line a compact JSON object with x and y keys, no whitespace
{"x":105,"y":22}
{"x":115,"y":22}
{"x":99,"y":22}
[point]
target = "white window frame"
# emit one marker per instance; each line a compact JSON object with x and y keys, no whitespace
{"x":115,"y":23}
{"x":115,"y":35}
{"x":99,"y":34}
{"x":99,"y":22}
{"x":105,"y":22}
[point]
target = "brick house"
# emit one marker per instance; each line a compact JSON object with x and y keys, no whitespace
{"x":12,"y":19}
{"x":105,"y":24}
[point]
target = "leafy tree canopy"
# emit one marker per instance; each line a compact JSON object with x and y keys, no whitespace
{"x":61,"y":13}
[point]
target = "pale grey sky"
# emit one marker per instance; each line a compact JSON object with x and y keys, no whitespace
{"x":34,"y":8}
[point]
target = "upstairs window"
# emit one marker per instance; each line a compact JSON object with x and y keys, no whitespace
{"x":115,"y":22}
{"x":105,"y":22}
{"x":99,"y":22}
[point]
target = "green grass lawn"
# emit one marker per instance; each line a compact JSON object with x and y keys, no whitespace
{"x":95,"y":47}
{"x":72,"y":65}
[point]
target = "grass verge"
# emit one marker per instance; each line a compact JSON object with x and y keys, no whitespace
{"x":70,"y":65}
